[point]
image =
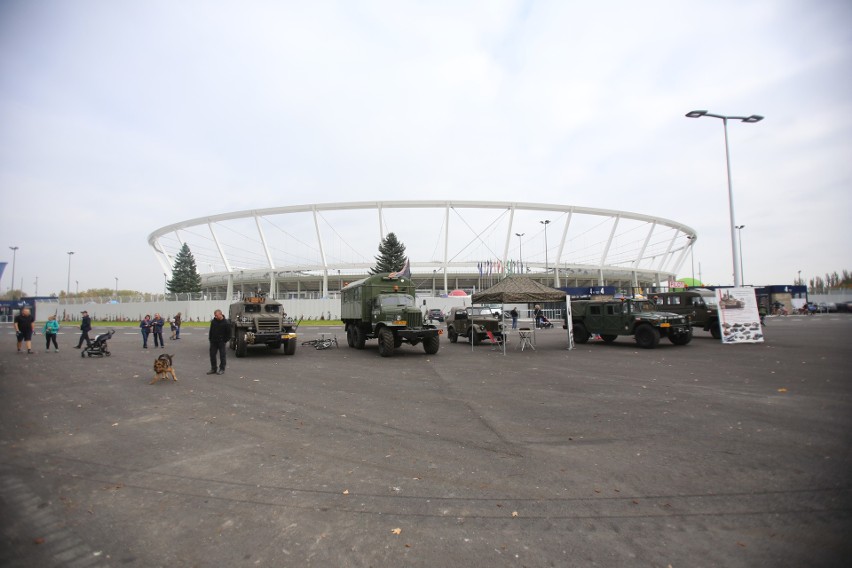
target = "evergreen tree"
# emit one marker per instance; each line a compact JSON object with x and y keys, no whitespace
{"x":185,"y":276}
{"x":391,"y":256}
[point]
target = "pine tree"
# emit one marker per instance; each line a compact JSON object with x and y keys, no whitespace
{"x":185,"y":276}
{"x":391,"y":255}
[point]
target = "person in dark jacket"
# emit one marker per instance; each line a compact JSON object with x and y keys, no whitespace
{"x":145,"y":328}
{"x":157,"y":329}
{"x":220,"y":334}
{"x":85,"y":328}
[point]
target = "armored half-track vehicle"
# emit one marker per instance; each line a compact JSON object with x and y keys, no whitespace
{"x":258,"y":321}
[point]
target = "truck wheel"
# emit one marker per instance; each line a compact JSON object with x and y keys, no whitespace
{"x":581,"y":334}
{"x":451,"y":332}
{"x":608,"y":338}
{"x":385,"y":342}
{"x":715,"y":330}
{"x":350,"y":336}
{"x":232,"y":343}
{"x":360,"y":340}
{"x":681,"y":338}
{"x":290,"y":347}
{"x":431,"y":344}
{"x":647,"y":337}
{"x":241,"y":346}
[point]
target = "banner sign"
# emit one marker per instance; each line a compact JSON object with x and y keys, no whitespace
{"x":739,"y":317}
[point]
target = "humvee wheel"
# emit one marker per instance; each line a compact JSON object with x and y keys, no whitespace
{"x":715,"y":330}
{"x":431,"y":345}
{"x":608,"y":338}
{"x":241,"y":346}
{"x":681,"y":338}
{"x":647,"y":337}
{"x":385,"y":342}
{"x":451,"y":332}
{"x":290,"y":347}
{"x":581,"y":334}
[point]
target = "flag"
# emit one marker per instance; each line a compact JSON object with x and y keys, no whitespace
{"x":405,"y":271}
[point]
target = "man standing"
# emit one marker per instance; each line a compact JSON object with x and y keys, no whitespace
{"x":24,"y":329}
{"x":220,"y":333}
{"x":85,"y":327}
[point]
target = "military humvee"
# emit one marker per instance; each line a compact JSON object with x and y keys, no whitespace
{"x":697,"y":303}
{"x":258,"y":321}
{"x":382,"y":307}
{"x":639,"y":318}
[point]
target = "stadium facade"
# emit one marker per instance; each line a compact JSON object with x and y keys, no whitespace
{"x":312,"y":251}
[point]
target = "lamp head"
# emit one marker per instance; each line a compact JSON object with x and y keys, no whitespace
{"x":696,"y":113}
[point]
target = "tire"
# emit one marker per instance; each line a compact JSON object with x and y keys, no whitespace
{"x":360,"y":340}
{"x":647,"y":337}
{"x":431,"y":345}
{"x":232,"y":343}
{"x":715,"y":330}
{"x":241,"y":345}
{"x":290,"y":347}
{"x":608,"y":338}
{"x":681,"y":338}
{"x":385,"y":342}
{"x":474,"y":337}
{"x":454,"y":337}
{"x":350,"y":336}
{"x":581,"y":334}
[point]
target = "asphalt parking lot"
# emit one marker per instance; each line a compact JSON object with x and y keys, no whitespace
{"x":607,"y":455}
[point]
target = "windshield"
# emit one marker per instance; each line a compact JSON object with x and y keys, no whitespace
{"x":643,"y":306}
{"x":395,"y":300}
{"x":481,"y":312}
{"x":710,"y":301}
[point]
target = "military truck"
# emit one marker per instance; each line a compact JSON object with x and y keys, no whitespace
{"x":473,"y":323}
{"x":382,"y":307}
{"x":697,"y":303}
{"x":639,"y":318}
{"x":256,"y":320}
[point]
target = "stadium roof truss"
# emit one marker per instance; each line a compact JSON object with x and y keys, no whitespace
{"x":441,"y":237}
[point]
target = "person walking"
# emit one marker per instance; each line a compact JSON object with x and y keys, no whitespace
{"x":145,"y":327}
{"x":157,"y":329}
{"x":172,"y":327}
{"x":177,"y":326}
{"x":514,"y":314}
{"x":538,"y":314}
{"x":85,"y":328}
{"x":24,"y":324}
{"x":50,"y":329}
{"x":220,"y":333}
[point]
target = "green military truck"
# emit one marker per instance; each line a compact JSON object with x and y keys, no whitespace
{"x":258,"y":321}
{"x":639,"y":318}
{"x":382,"y":307}
{"x":698,"y":303}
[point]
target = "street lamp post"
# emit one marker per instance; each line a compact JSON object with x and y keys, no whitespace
{"x":116,"y":287}
{"x":14,"y":256}
{"x":740,"y":241}
{"x":520,"y":250}
{"x":68,"y":286}
{"x":749,"y":119}
{"x":546,"y":222}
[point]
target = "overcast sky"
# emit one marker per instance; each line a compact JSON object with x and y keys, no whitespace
{"x":119,"y":117}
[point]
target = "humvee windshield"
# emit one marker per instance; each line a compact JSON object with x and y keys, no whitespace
{"x":643,"y":306}
{"x":394,"y":300}
{"x":272,"y":308}
{"x":252,"y":308}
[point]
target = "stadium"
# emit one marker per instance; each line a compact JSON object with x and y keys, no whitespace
{"x":312,"y":251}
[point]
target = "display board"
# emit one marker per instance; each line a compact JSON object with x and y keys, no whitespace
{"x":739,"y":317}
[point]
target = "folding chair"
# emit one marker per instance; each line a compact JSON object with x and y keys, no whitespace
{"x":496,"y":341}
{"x":527,"y":338}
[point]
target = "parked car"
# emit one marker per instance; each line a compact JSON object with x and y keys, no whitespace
{"x":435,"y":314}
{"x":827,"y":307}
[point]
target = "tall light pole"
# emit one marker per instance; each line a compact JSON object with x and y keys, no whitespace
{"x":520,"y":250}
{"x":546,"y":222}
{"x":14,"y":256}
{"x":36,"y":287}
{"x":692,"y":240}
{"x":68,"y":287}
{"x":116,"y":287}
{"x":739,"y":229}
{"x":800,"y":278}
{"x":753,"y":118}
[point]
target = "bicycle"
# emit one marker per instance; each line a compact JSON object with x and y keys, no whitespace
{"x":322,"y":343}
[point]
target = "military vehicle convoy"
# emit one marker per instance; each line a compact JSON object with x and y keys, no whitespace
{"x":382,"y":307}
{"x":258,"y":321}
{"x":639,"y":318}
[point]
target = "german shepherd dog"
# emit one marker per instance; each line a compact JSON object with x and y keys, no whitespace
{"x":163,"y":368}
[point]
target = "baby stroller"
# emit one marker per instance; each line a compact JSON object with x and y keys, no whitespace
{"x":97,"y":347}
{"x":544,"y":323}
